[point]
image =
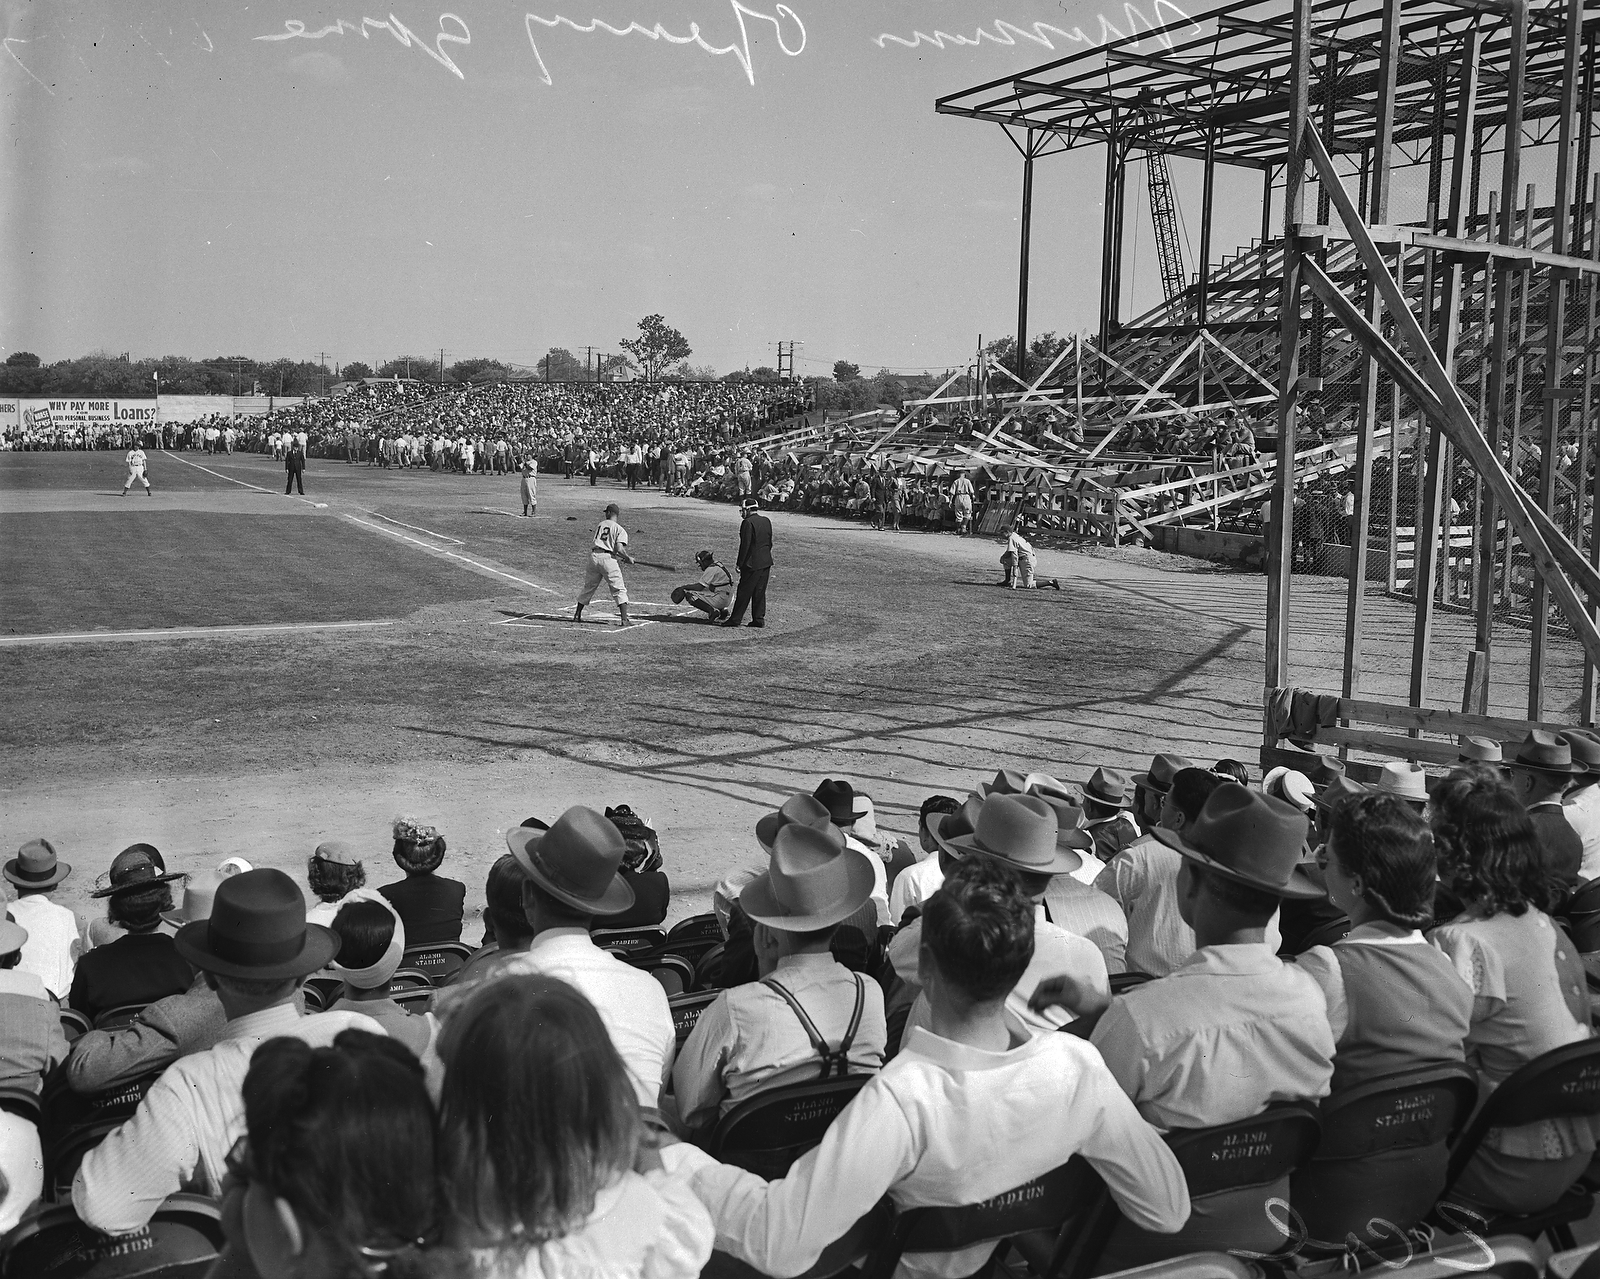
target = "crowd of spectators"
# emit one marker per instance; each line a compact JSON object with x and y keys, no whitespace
{"x":1050,"y":970}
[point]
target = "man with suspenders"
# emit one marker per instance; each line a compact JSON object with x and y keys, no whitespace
{"x":610,"y":545}
{"x":809,"y":1017}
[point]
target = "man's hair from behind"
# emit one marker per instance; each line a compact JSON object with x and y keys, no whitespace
{"x":1191,"y":787}
{"x":365,"y":930}
{"x":502,"y":892}
{"x":613,"y":509}
{"x":979,"y":929}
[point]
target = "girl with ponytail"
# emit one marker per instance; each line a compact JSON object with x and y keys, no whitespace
{"x":1394,"y":1001}
{"x":335,"y":1177}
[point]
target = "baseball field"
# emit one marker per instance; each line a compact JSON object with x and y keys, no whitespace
{"x":222,"y":669}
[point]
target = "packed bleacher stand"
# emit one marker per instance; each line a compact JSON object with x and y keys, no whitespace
{"x":1262,"y":1019}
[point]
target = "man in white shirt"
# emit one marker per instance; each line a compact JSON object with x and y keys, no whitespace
{"x":1021,"y":833}
{"x":610,"y":545}
{"x":971,"y":1108}
{"x":255,"y":950}
{"x":1581,"y":803}
{"x":572,"y":872}
{"x":808,"y":1017}
{"x":915,"y":884}
{"x":54,"y":942}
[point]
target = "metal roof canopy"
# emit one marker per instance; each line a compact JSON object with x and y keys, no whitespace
{"x":1223,"y":74}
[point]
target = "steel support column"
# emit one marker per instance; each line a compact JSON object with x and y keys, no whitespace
{"x":1022,"y":269}
{"x":1207,"y":196}
{"x":1109,"y":239}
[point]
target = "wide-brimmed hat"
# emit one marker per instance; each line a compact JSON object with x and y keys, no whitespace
{"x":576,"y":860}
{"x":233,"y":866}
{"x":1108,"y":786}
{"x":1006,"y":782}
{"x":1324,"y":769}
{"x":135,"y":867}
{"x":13,"y":936}
{"x":36,"y":866}
{"x":1543,"y":752}
{"x":1585,"y":747}
{"x":801,"y":810}
{"x":1484,"y":750}
{"x":199,"y":894}
{"x":1295,"y":785}
{"x":810,"y":883}
{"x":1163,"y":768}
{"x":839,"y":798}
{"x":945,"y":827}
{"x":1021,"y":831}
{"x":1338,"y":791}
{"x":1249,"y":837}
{"x":257,"y":929}
{"x":1403,"y":779}
{"x":384,"y":967}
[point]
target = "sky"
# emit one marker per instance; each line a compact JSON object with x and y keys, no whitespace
{"x":318,"y":179}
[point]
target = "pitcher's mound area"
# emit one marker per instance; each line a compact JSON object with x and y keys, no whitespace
{"x":72,"y":571}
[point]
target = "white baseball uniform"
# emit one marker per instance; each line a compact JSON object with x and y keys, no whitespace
{"x":609,"y":538}
{"x":136,"y":464}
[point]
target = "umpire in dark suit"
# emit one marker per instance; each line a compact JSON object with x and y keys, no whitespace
{"x":754,"y":565}
{"x":295,"y":466}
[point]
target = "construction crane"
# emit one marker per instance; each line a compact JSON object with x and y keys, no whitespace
{"x":1163,"y":214}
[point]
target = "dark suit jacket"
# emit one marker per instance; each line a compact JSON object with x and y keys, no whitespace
{"x":296,"y":461}
{"x":755,"y":543}
{"x":429,"y":905}
{"x":139,"y":968}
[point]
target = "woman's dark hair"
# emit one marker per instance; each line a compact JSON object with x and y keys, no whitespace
{"x":537,"y":1116}
{"x":1489,"y":855}
{"x":1383,"y":840}
{"x":979,"y":926}
{"x":1232,"y":768}
{"x":418,"y":856}
{"x":332,"y":880}
{"x":139,"y":909}
{"x":365,"y":930}
{"x":502,"y":892}
{"x":345,"y":1135}
{"x":1191,"y":787}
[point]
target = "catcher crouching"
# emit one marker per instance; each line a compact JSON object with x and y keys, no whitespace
{"x":712,"y":594}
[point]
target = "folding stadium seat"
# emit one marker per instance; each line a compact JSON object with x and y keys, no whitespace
{"x":313,"y":997}
{"x":1497,"y":1257}
{"x":1219,"y":1164}
{"x":1046,"y":1206}
{"x":769,"y":1131}
{"x":74,"y":1024}
{"x":440,"y":961}
{"x":416,"y":1000}
{"x":1562,"y":1084}
{"x":119,"y":1017}
{"x":674,"y":972}
{"x":628,"y":941}
{"x":686,"y":1010}
{"x":182,"y":1241}
{"x":406,"y":979}
{"x":326,"y":989}
{"x":692,"y":937}
{"x":1383,"y":1157}
{"x":708,"y":969}
{"x":73,"y":1124}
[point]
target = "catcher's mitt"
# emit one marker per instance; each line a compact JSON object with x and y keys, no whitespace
{"x":678,"y":594}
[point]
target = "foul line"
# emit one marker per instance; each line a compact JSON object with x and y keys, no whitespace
{"x":455,"y":555}
{"x":209,"y":471}
{"x":189,"y":632}
{"x":416,"y":528}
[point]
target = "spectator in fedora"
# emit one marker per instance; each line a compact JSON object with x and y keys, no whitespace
{"x":1020,"y":833}
{"x":809,"y":1017}
{"x":572,"y":879}
{"x":107,"y":928}
{"x":1151,"y":787}
{"x":1107,"y":805}
{"x":1291,"y":786}
{"x":372,"y":941}
{"x":969,"y":1109}
{"x":1581,"y":803}
{"x":543,"y":1155}
{"x":31,"y":1044}
{"x":1407,"y":782}
{"x":336,"y":1176}
{"x":430,"y":906}
{"x":1527,"y":980}
{"x":53,"y":941}
{"x":1540,"y":772}
{"x":164,"y":1031}
{"x":1230,"y":1031}
{"x":255,"y":949}
{"x":846,"y":811}
{"x":1480,"y":750}
{"x":142,"y":966}
{"x":1070,"y":899}
{"x":918,"y":882}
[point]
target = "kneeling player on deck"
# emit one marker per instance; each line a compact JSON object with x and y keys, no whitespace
{"x":610,"y":545}
{"x":713,"y":593}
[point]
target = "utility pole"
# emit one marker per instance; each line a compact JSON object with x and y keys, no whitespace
{"x":589,"y":364}
{"x":785,"y":360}
{"x":441,"y":366}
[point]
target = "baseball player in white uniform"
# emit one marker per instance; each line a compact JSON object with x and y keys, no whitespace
{"x":136,"y":462}
{"x":610,"y":545}
{"x":1019,"y":561}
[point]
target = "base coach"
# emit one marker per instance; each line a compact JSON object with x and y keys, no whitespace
{"x":754,"y":564}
